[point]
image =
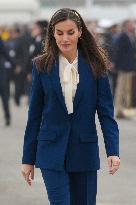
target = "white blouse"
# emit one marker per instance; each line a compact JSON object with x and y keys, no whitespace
{"x":69,"y":78}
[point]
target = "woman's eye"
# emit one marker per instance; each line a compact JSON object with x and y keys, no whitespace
{"x":71,"y":33}
{"x":59,"y":34}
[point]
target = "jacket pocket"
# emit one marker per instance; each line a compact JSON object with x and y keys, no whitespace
{"x":47,"y":135}
{"x":88,"y":137}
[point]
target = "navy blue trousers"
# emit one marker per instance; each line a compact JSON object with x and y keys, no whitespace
{"x":70,"y":188}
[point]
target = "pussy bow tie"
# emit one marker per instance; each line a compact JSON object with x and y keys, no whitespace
{"x":70,"y":79}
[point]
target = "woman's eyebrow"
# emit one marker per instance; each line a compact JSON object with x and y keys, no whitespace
{"x":58,"y":30}
{"x":62,"y":31}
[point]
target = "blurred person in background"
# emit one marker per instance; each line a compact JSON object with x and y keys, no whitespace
{"x":134,"y":90}
{"x":35,"y":48}
{"x":92,"y":26}
{"x":125,"y":67}
{"x":5,"y":65}
{"x":96,"y":31}
{"x":26,"y":40}
{"x":5,"y":36}
{"x":17,"y":52}
{"x":134,"y":74}
{"x":110,"y":37}
{"x":61,"y":137}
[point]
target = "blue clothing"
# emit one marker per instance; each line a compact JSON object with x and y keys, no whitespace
{"x":124,"y":53}
{"x":73,"y":188}
{"x":4,"y":56}
{"x":5,"y":70}
{"x":52,"y":135}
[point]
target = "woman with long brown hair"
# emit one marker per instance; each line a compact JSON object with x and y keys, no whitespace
{"x":70,"y":83}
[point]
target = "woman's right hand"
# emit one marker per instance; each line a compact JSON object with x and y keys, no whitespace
{"x":28,"y":173}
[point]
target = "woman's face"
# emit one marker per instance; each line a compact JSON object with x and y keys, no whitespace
{"x":66,"y":35}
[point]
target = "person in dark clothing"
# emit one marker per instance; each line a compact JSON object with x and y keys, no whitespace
{"x":35,"y":48}
{"x":17,"y":53}
{"x":5,"y":64}
{"x":110,"y":38}
{"x":134,"y":79}
{"x":125,"y":66}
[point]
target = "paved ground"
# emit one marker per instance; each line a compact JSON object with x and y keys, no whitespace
{"x":112,"y":190}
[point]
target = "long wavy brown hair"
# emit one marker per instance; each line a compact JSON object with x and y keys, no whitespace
{"x":92,"y":53}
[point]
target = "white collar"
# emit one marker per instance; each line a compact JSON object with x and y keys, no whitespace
{"x":66,"y":62}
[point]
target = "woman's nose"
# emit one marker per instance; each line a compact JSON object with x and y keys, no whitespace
{"x":65,"y":37}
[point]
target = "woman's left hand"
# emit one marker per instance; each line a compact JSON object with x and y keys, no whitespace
{"x":113,"y":163}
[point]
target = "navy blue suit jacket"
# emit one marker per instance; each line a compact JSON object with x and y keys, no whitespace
{"x":49,"y":125}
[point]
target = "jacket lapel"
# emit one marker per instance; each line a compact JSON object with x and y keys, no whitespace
{"x":57,"y":85}
{"x":82,"y":79}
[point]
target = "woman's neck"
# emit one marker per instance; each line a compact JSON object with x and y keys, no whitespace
{"x":70,"y":56}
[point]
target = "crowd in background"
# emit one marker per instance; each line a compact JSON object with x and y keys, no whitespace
{"x":19,"y":44}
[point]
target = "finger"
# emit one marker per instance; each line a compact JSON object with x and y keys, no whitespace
{"x":116,"y":166}
{"x":116,"y":163}
{"x":32,"y":174}
{"x":28,"y":175}
{"x":28,"y":179}
{"x":23,"y":174}
{"x":110,"y":164}
{"x":113,"y":170}
{"x":29,"y":182}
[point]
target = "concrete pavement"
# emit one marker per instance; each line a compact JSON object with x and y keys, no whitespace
{"x":112,"y":190}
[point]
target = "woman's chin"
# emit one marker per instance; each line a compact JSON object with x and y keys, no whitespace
{"x":65,"y":50}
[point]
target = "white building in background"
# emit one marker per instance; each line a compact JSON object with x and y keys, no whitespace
{"x":25,"y":11}
{"x":105,"y":10}
{"x":14,"y":11}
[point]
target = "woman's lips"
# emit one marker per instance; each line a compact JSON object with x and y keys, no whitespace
{"x":65,"y":45}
